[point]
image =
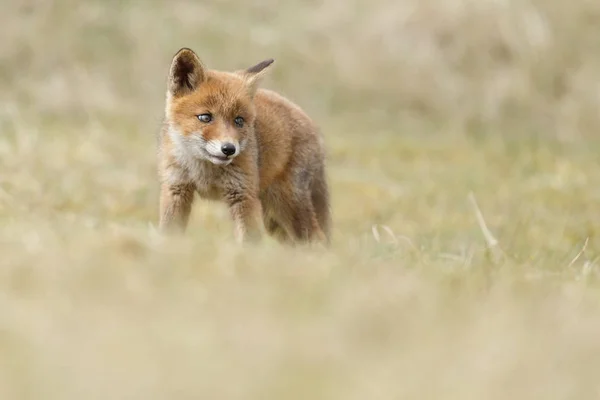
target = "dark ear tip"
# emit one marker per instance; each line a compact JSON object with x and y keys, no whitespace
{"x":185,"y":52}
{"x":184,"y":49}
{"x":260,"y":66}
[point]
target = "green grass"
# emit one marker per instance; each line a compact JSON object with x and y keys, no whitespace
{"x":423,"y":103}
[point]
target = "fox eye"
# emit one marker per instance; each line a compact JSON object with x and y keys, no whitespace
{"x":239,"y":121}
{"x":205,"y":117}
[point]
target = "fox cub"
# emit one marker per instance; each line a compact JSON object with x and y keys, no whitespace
{"x":227,"y":139}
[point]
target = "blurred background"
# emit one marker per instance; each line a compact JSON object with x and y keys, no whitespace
{"x":421,"y":102}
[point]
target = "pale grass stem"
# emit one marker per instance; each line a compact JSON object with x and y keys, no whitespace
{"x":574,"y":260}
{"x":492,"y":243}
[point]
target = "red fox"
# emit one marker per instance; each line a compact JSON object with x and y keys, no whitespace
{"x":227,"y":139}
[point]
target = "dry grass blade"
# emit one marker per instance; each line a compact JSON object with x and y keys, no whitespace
{"x":388,"y":230}
{"x":492,"y":243}
{"x":579,"y":254}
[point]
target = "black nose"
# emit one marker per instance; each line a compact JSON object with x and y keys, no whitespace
{"x":228,"y":149}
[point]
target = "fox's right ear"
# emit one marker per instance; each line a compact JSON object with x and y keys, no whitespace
{"x":186,"y":73}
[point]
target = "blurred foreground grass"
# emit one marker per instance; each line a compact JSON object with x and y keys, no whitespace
{"x":422,"y":103}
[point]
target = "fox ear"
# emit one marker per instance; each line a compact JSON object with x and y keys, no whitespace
{"x":186,"y":73}
{"x":254,"y":75}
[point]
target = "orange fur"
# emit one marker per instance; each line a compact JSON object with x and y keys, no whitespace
{"x":227,"y":139}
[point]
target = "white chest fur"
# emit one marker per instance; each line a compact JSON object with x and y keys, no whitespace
{"x":207,"y":180}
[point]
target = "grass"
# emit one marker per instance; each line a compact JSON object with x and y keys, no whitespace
{"x":423,"y":103}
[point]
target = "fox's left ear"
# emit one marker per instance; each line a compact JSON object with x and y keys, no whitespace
{"x":254,"y":75}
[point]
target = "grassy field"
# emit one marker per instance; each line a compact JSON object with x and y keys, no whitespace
{"x":426,"y":106}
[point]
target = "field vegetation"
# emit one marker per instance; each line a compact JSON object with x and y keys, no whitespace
{"x":463,"y":148}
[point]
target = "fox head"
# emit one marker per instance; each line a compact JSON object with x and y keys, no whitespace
{"x":211,"y":113}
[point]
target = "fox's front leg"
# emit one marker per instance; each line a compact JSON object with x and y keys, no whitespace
{"x":246,"y":212}
{"x":175,"y":206}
